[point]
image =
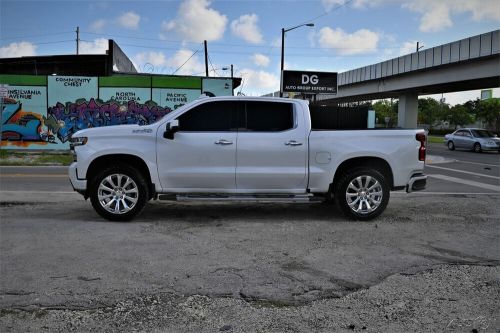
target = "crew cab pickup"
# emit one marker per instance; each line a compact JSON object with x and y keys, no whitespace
{"x":244,"y":149}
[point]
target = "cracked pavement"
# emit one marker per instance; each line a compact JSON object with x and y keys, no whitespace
{"x":428,"y":263}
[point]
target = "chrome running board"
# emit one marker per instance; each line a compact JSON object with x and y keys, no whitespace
{"x":241,"y":198}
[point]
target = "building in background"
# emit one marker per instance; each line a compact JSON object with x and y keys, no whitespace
{"x":51,"y":97}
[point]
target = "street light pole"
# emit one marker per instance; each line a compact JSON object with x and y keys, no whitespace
{"x":283,"y":30}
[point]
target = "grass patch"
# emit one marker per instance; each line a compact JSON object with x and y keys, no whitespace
{"x":435,"y":139}
{"x":14,"y":158}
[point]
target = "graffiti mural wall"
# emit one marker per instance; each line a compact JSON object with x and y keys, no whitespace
{"x":43,"y":112}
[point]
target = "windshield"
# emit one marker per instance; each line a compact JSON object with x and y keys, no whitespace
{"x":482,"y":134}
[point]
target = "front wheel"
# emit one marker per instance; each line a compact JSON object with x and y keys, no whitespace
{"x":477,"y":147}
{"x":451,"y":145}
{"x":362,"y":194}
{"x":118,"y":193}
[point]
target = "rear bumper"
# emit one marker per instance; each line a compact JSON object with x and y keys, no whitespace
{"x":417,"y":182}
{"x":79,"y":185}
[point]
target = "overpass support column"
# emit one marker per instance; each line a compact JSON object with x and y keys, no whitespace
{"x":408,"y":110}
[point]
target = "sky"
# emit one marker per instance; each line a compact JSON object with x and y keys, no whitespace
{"x":166,"y":37}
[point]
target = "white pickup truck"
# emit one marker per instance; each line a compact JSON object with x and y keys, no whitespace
{"x":244,"y":149}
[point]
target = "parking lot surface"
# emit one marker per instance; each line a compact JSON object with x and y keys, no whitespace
{"x":429,"y":263}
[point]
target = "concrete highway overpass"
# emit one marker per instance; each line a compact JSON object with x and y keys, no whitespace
{"x":467,"y":64}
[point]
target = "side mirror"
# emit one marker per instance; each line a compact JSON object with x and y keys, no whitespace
{"x":171,"y":128}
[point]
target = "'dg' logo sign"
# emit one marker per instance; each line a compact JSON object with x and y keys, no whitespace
{"x":306,"y":79}
{"x":310,"y":82}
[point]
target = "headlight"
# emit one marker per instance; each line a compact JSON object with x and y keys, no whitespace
{"x":78,"y":141}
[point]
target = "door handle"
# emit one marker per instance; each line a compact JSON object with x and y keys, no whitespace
{"x":223,"y":142}
{"x":293,"y":143}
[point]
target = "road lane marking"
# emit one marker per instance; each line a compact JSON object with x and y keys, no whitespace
{"x":462,"y":171}
{"x":446,"y":193}
{"x":466,"y":182}
{"x":40,"y":192}
{"x":22,"y":175}
{"x":477,"y":163}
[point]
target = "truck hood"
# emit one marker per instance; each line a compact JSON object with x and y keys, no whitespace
{"x":116,"y":131}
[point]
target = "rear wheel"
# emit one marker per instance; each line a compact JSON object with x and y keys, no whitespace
{"x":477,"y":147}
{"x":451,"y":145}
{"x":119,"y":193}
{"x":362,"y":194}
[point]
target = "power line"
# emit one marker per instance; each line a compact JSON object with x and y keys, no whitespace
{"x":216,"y":44}
{"x":327,"y":12}
{"x":213,"y":68}
{"x":186,"y":61}
{"x":38,"y":35}
{"x":251,"y":52}
{"x":140,"y":38}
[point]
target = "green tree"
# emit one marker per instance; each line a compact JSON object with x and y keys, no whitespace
{"x":459,"y":115}
{"x":489,"y":111}
{"x":472,"y":106}
{"x":430,"y":111}
{"x":383,"y":109}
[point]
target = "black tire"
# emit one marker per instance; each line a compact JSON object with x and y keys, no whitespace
{"x":477,"y":147}
{"x":346,"y":196}
{"x":131,"y":196}
{"x":451,"y":145}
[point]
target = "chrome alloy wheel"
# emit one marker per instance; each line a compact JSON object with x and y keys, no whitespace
{"x":118,"y":193}
{"x":364,"y":194}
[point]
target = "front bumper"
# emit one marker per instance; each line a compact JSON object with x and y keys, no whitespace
{"x":490,"y":148}
{"x":79,"y":185}
{"x":417,"y":182}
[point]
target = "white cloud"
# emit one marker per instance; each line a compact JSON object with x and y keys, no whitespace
{"x":260,"y":60}
{"x":435,"y":15}
{"x":432,"y":11}
{"x":97,"y":25}
{"x":408,"y":47}
{"x":259,"y":82}
{"x":21,"y":49}
{"x":358,"y":42}
{"x":246,"y":28}
{"x":330,"y":4}
{"x":193,"y":66}
{"x":154,"y":58}
{"x":98,"y":46}
{"x":129,"y":20}
{"x":158,"y":62}
{"x":196,"y":22}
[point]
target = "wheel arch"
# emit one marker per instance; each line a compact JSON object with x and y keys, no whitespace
{"x":376,"y":163}
{"x":113,"y":159}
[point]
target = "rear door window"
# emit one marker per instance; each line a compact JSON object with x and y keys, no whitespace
{"x":267,"y":116}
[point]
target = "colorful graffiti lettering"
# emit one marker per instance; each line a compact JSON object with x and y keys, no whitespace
{"x":20,"y":127}
{"x":66,"y":119}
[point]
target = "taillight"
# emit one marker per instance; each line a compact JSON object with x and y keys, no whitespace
{"x":421,"y":151}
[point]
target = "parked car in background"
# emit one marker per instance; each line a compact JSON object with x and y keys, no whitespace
{"x":476,"y":139}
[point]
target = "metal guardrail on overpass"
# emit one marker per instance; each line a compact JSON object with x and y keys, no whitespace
{"x":467,"y":64}
{"x":463,"y":50}
{"x":470,"y":63}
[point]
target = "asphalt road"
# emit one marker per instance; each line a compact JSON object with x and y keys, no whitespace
{"x":429,"y":263}
{"x":462,"y":171}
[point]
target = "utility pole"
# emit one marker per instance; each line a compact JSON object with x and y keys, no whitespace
{"x":282,"y":60}
{"x":419,"y":47}
{"x":206,"y":58}
{"x":77,"y":40}
{"x":231,"y":71}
